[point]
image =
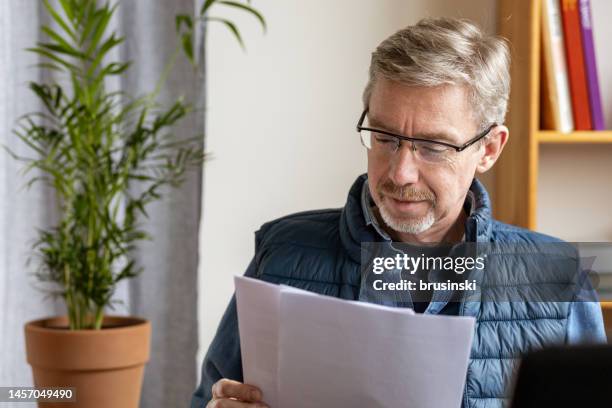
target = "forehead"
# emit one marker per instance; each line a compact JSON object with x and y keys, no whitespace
{"x":413,"y":110}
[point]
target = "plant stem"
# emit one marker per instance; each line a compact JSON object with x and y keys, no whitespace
{"x":69,"y":297}
{"x":164,"y":76}
{"x":77,"y":312}
{"x":99,"y":317}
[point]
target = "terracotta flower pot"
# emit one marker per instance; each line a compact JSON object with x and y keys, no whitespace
{"x":105,"y":366}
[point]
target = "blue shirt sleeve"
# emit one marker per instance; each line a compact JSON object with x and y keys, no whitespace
{"x":223,"y":359}
{"x":585,"y":323}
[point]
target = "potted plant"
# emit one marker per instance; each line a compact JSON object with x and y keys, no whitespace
{"x":91,"y":145}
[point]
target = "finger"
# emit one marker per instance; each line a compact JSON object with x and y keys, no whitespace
{"x":225,"y":388}
{"x":229,"y":403}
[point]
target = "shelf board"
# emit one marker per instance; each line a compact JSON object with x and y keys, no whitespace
{"x":552,"y":136}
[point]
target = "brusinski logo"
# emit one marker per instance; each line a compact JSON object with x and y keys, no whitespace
{"x":412,"y":264}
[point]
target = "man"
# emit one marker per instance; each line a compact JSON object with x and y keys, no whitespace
{"x":434,"y":109}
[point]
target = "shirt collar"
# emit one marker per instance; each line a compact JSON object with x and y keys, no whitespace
{"x":367,"y":205}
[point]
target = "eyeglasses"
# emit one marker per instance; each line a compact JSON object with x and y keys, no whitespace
{"x":385,"y":143}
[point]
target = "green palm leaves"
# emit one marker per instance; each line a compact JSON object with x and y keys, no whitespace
{"x":107,"y":154}
{"x":185,"y":23}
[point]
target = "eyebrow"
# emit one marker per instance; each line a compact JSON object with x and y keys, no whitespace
{"x":441,"y":136}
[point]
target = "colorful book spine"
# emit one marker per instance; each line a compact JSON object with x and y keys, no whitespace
{"x":588,"y":45}
{"x":556,"y":68}
{"x":575,"y":65}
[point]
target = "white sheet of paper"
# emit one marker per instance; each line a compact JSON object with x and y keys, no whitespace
{"x":337,"y":353}
{"x":340,"y":354}
{"x":258,"y":305}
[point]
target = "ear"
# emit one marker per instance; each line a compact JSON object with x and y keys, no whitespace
{"x":493,"y":145}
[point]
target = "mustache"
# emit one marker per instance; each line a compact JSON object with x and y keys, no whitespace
{"x":405,"y":193}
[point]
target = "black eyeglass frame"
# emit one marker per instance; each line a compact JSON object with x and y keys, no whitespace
{"x":416,"y":139}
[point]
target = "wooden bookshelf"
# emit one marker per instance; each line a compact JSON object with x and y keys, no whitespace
{"x":552,"y":136}
{"x":516,"y":179}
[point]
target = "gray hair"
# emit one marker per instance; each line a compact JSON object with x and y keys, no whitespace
{"x":438,"y":51}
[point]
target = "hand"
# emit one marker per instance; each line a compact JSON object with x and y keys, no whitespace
{"x":233,"y":394}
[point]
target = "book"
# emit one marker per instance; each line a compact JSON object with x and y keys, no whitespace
{"x":575,"y":65}
{"x":556,"y":68}
{"x":547,"y":121}
{"x":588,"y":45}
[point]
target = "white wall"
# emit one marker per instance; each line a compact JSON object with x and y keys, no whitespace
{"x":281,"y":120}
{"x":574,"y":192}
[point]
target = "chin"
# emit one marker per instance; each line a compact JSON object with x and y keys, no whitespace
{"x":409,"y":225}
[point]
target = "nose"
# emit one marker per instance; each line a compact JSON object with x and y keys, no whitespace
{"x":404,"y":167}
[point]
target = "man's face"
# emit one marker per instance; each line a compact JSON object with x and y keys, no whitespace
{"x":413,"y":196}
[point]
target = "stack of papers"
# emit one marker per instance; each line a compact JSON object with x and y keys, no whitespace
{"x":307,"y":350}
